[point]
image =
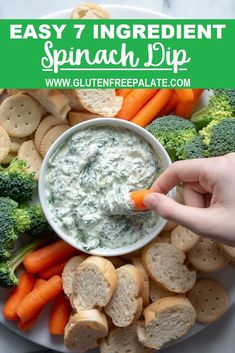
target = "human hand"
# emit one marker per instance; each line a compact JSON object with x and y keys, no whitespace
{"x":209,"y":196}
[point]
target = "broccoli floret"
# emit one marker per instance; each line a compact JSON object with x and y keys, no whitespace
{"x":16,"y":183}
{"x":221,"y":106}
{"x":173,"y":132}
{"x":39,"y":224}
{"x":8,"y":277}
{"x":222,"y":138}
{"x":193,"y":149}
{"x":15,"y":220}
{"x":226,"y":97}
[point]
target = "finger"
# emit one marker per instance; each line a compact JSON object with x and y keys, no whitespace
{"x":183,"y":171}
{"x":196,"y":219}
{"x":192,"y":197}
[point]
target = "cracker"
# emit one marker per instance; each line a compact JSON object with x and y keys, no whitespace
{"x":183,"y":238}
{"x":29,"y":153}
{"x":50,"y":137}
{"x":229,"y":251}
{"x":209,"y":300}
{"x":207,"y":256}
{"x":4,"y":144}
{"x":78,"y":117}
{"x":8,"y":158}
{"x":45,"y":125}
{"x":16,"y":142}
{"x":19,"y":115}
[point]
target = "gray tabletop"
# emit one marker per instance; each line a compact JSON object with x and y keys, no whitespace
{"x":219,"y":337}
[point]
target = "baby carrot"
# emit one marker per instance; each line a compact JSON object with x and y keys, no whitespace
{"x":52,"y":271}
{"x":152,"y":108}
{"x":27,"y":325}
{"x":185,"y":95}
{"x":169,"y":107}
{"x":48,"y":256}
{"x":60,"y":315}
{"x":134,"y":102}
{"x":185,"y":109}
{"x":137,"y":197}
{"x":39,"y":297}
{"x":123,"y":92}
{"x":26,"y":282}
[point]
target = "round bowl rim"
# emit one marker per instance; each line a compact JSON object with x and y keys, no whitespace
{"x":158,"y":148}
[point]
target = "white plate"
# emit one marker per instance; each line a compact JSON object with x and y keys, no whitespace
{"x":40,"y":334}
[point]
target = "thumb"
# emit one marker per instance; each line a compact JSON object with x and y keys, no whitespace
{"x":196,"y":219}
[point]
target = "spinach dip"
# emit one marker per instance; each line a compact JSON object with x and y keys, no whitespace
{"x":88,"y":181}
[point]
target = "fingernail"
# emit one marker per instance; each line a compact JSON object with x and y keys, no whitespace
{"x":150,"y":201}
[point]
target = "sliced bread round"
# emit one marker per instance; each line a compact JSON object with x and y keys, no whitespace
{"x":68,"y":273}
{"x":126,"y":304}
{"x":84,"y":329}
{"x":89,"y":11}
{"x":94,"y":283}
{"x":144,"y":291}
{"x":165,"y":265}
{"x":166,"y":319}
{"x":100,"y":101}
{"x":157,"y":292}
{"x":123,"y":340}
{"x":54,"y":101}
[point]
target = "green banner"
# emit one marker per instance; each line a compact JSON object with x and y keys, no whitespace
{"x":117,"y":53}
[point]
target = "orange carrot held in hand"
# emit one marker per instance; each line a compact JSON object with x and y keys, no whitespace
{"x":152,"y":108}
{"x":60,"y":315}
{"x":27,"y":325}
{"x":137,"y":197}
{"x":185,"y":95}
{"x":134,"y":102}
{"x":26,"y":282}
{"x":123,"y":92}
{"x":39,"y":297}
{"x":48,"y":256}
{"x":52,"y":271}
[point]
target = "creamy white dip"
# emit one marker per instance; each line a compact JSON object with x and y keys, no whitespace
{"x":87,"y":183}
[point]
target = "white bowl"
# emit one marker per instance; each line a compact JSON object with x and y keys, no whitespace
{"x":164,"y":163}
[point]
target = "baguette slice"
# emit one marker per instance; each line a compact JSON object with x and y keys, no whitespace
{"x":94,"y":283}
{"x":84,"y":329}
{"x":165,"y":265}
{"x":123,"y":340}
{"x":69,"y":272}
{"x":116,"y":261}
{"x":53,"y":101}
{"x":144,"y":291}
{"x":157,"y":292}
{"x":73,"y":99}
{"x":126,"y":304}
{"x":89,"y":11}
{"x":78,"y":117}
{"x":100,"y":101}
{"x":166,"y":319}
